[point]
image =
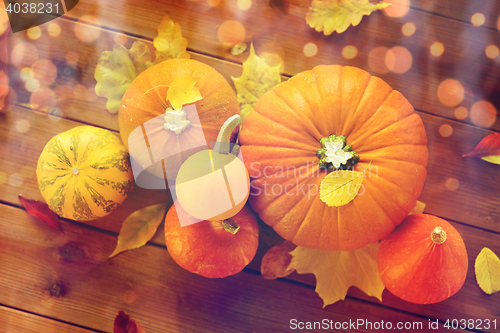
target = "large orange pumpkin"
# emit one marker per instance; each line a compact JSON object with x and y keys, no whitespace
{"x":280,"y":141}
{"x":146,"y":98}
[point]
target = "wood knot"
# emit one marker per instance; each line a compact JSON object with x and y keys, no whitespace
{"x":56,"y":290}
{"x":71,"y":252}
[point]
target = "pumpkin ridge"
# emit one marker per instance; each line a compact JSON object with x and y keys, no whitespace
{"x":303,"y":120}
{"x":344,"y":131}
{"x":396,"y":185}
{"x":305,"y":221}
{"x":382,"y":208}
{"x":323,"y":95}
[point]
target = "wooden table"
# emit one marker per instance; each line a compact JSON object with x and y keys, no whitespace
{"x":64,"y":283}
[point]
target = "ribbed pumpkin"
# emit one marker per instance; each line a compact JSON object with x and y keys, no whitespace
{"x":213,"y":249}
{"x":146,"y":98}
{"x":280,"y":142}
{"x":84,"y":173}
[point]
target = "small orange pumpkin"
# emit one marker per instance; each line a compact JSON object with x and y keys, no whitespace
{"x":213,"y":249}
{"x":282,"y":139}
{"x":424,"y":260}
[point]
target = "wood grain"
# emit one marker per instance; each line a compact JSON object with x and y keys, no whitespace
{"x":68,"y":278}
{"x":12,"y":320}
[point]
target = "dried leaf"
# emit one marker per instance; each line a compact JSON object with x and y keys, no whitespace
{"x":257,"y":79}
{"x":488,"y":149}
{"x":139,"y":228}
{"x":418,"y":209}
{"x":4,"y":88}
{"x":340,"y":187}
{"x":182,"y":91}
{"x":487,"y":269}
{"x":116,"y":70}
{"x":125,"y":324}
{"x":170,"y":44}
{"x":42,"y":211}
{"x":276,"y":261}
{"x":337,"y":15}
{"x":336,"y":271}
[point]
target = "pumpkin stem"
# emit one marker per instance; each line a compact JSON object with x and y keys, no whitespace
{"x":222,"y":144}
{"x":438,"y":235}
{"x":75,"y":171}
{"x":175,"y":120}
{"x":334,"y":154}
{"x":230,"y":226}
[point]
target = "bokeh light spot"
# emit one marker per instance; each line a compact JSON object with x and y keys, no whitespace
{"x":32,"y":85}
{"x":3,"y":177}
{"x":310,"y":50}
{"x":22,"y":126}
{"x":4,"y":18}
{"x":452,"y":184}
{"x":349,"y":52}
{"x":43,"y":99}
{"x":231,"y":33}
{"x":45,"y":72}
{"x":213,"y":3}
{"x":450,"y":92}
{"x":72,"y":58}
{"x":491,"y":51}
{"x":54,"y":30}
{"x":445,"y":130}
{"x":376,"y":60}
{"x":398,"y":59}
{"x":26,"y":73}
{"x":483,"y":114}
{"x":24,"y":55}
{"x":87,"y":28}
{"x":398,"y":8}
{"x":34,"y":33}
{"x":244,"y":4}
{"x":437,"y":49}
{"x":129,"y":296}
{"x":16,"y":180}
{"x":477,"y":19}
{"x":408,"y":29}
{"x":461,"y":112}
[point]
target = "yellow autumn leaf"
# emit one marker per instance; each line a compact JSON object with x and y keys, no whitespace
{"x":418,"y":208}
{"x":257,"y":79}
{"x":340,"y":187}
{"x":487,"y":269}
{"x":337,"y":15}
{"x":337,"y":271}
{"x":182,"y":91}
{"x":169,"y":44}
{"x":139,"y":227}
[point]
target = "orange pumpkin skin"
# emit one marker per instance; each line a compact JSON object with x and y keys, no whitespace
{"x":146,"y":98}
{"x":281,"y":137}
{"x":205,"y":248}
{"x":416,"y":269}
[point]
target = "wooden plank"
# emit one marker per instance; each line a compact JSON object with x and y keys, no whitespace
{"x":273,"y":31}
{"x":12,"y":320}
{"x":473,"y":202}
{"x":68,"y":277}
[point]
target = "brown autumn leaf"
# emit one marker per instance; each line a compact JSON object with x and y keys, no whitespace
{"x":125,"y":324}
{"x":488,"y":149}
{"x":276,"y":261}
{"x":42,"y":211}
{"x":139,"y":227}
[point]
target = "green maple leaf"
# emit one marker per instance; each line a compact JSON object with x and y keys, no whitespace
{"x":337,"y":15}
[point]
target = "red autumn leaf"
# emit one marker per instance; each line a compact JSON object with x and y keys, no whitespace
{"x":125,"y":324}
{"x":42,"y":211}
{"x":276,"y":261}
{"x":488,"y":149}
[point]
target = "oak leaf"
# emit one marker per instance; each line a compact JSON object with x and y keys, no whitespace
{"x":139,"y":227}
{"x":170,"y":44}
{"x":488,"y":149}
{"x":257,"y":79}
{"x":183,"y":91}
{"x":487,"y":268}
{"x":116,"y":70}
{"x":337,"y":271}
{"x":42,"y":211}
{"x":337,"y":15}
